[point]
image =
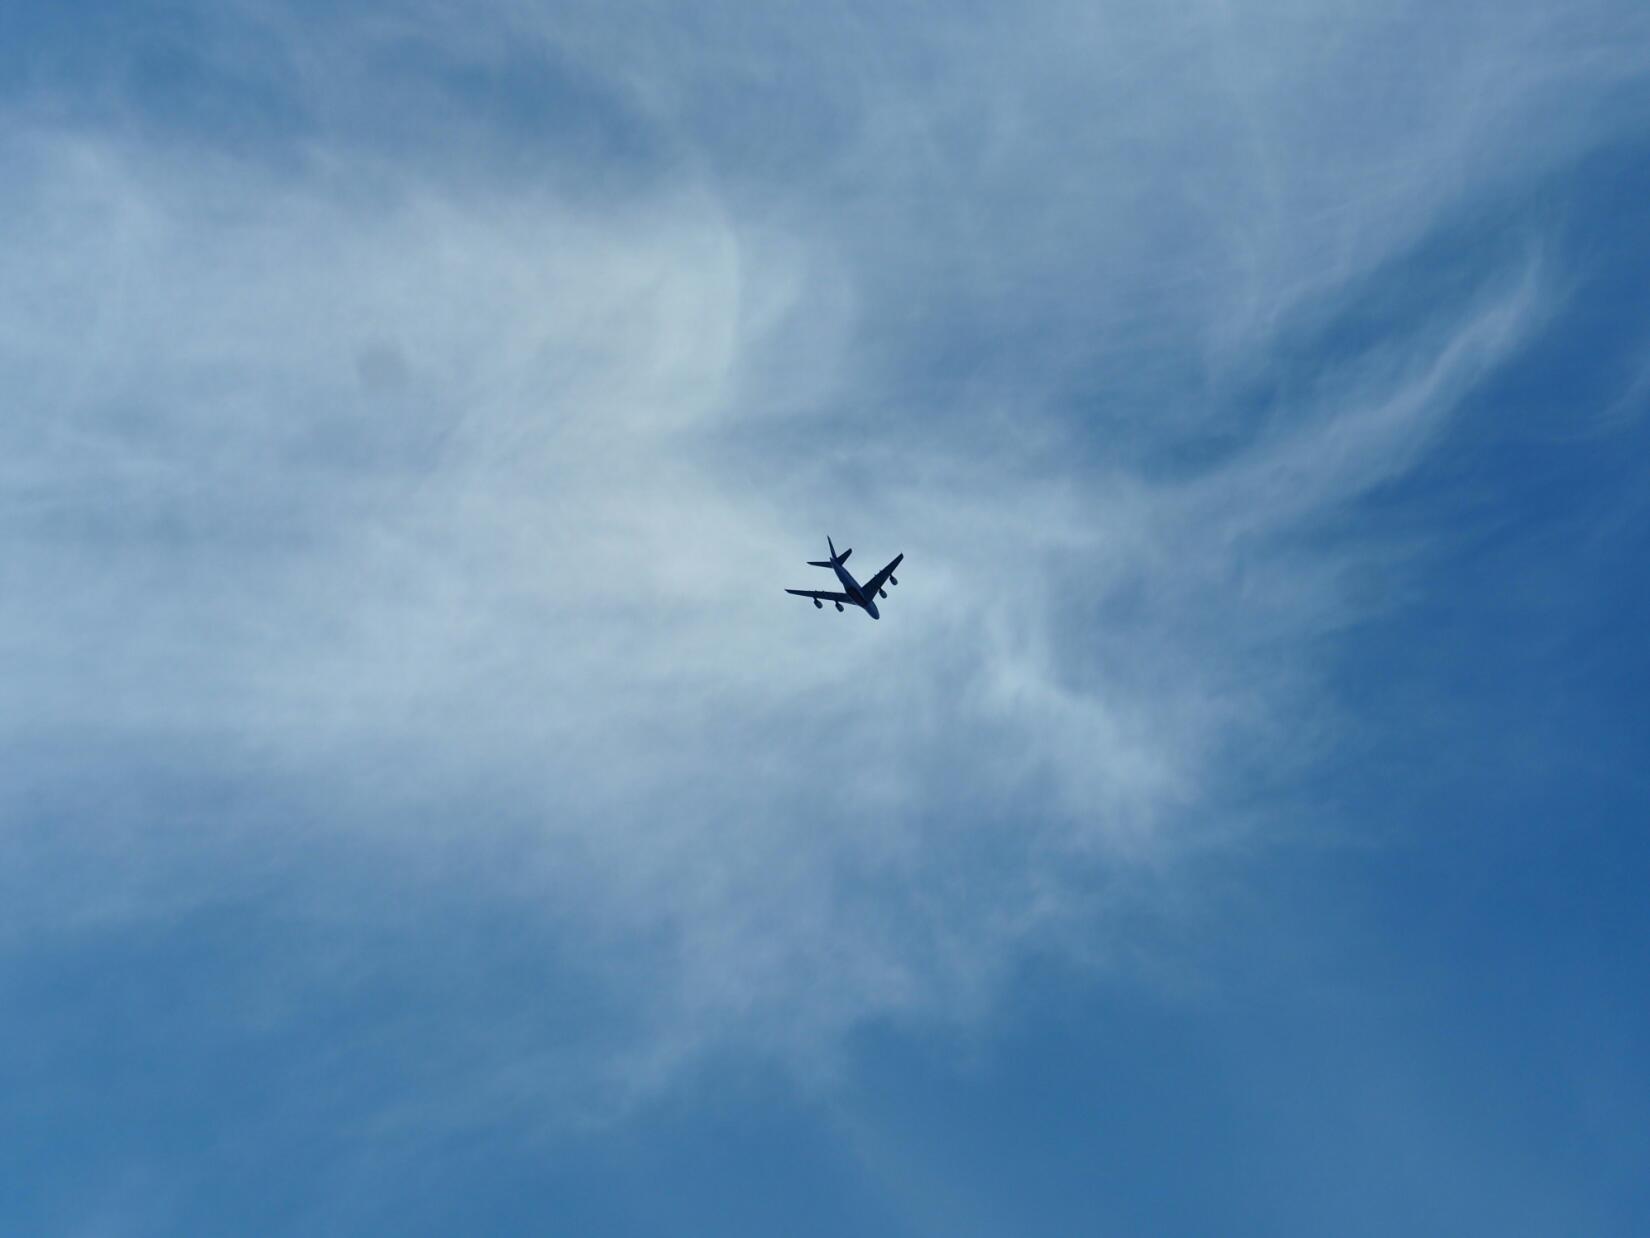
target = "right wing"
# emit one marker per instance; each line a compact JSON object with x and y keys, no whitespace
{"x":823,"y":597}
{"x":876,"y":582}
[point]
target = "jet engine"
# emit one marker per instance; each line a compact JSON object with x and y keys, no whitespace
{"x":839,"y":606}
{"x":818,"y":605}
{"x":882,"y":593}
{"x":893,"y":580}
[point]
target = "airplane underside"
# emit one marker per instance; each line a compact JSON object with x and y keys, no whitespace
{"x":854,"y":594}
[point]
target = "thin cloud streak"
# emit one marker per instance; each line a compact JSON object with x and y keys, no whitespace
{"x":464,"y":506}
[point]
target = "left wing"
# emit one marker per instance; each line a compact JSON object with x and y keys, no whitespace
{"x":824,"y":597}
{"x":876,"y":582}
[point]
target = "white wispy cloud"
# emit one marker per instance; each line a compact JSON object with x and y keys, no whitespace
{"x":461,"y":501}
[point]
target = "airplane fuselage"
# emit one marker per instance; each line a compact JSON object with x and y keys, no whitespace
{"x":850,"y":586}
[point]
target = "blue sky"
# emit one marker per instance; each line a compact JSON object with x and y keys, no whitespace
{"x":423,"y":813}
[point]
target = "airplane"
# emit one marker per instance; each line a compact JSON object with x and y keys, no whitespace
{"x":863,"y":596}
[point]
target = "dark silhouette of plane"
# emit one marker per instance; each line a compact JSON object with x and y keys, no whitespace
{"x":855,"y":594}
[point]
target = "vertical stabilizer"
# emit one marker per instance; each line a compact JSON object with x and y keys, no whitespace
{"x":835,"y":560}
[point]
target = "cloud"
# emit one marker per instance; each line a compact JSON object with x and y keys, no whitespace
{"x":450,"y":497}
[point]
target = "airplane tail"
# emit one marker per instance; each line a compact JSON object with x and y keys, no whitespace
{"x":834,"y":559}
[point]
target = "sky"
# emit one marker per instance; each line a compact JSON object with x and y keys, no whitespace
{"x":422,"y":811}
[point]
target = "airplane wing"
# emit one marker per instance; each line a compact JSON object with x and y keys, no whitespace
{"x":823,"y":597}
{"x":876,"y":582}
